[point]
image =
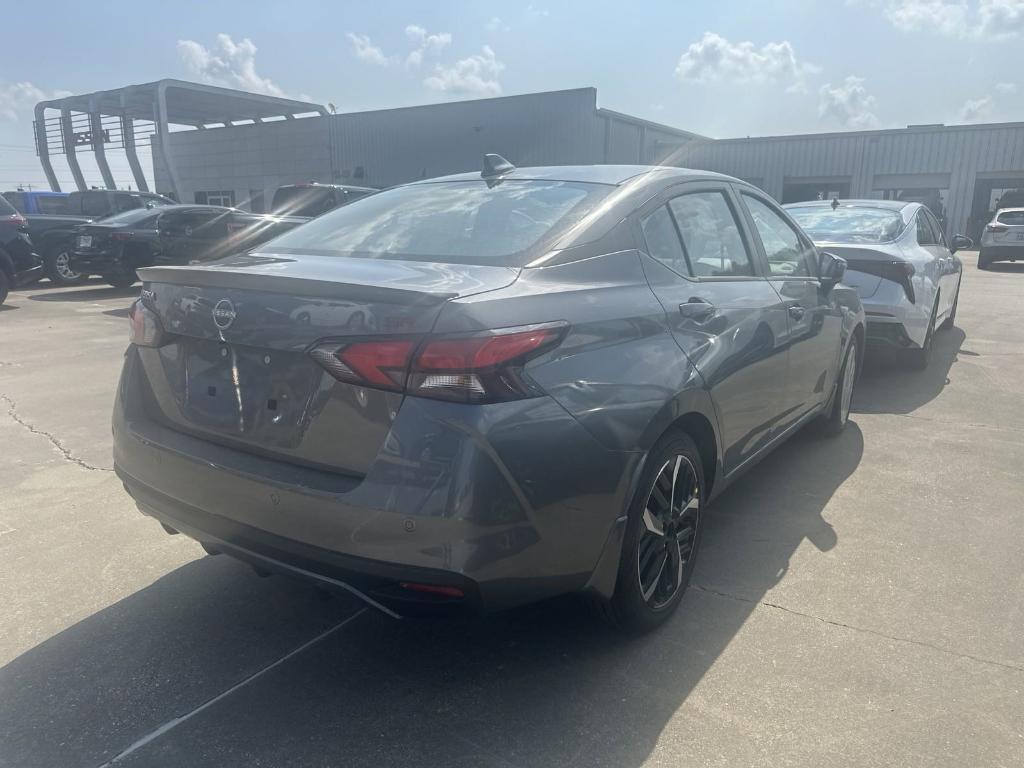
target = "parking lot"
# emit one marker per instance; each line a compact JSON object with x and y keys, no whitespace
{"x":856,"y":602}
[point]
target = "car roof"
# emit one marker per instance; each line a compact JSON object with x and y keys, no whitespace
{"x":890,"y":205}
{"x":316,"y":184}
{"x":613,"y":175}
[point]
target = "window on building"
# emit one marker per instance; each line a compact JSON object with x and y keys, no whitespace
{"x":802,"y":191}
{"x":223,"y":197}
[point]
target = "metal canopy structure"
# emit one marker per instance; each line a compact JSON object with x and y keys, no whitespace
{"x":129,"y":117}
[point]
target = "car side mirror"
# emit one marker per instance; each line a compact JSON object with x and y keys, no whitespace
{"x":960,"y":243}
{"x":832,"y":269}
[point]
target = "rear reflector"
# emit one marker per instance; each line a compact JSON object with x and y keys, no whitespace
{"x":432,"y":589}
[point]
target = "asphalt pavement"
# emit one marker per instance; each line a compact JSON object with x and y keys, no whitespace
{"x":857,"y":601}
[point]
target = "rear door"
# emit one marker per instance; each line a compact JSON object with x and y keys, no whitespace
{"x":815,"y":324}
{"x":948,"y":266}
{"x":932,"y":262}
{"x":720,"y":308}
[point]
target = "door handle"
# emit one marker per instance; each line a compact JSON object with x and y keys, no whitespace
{"x":796,"y":311}
{"x":697,"y":309}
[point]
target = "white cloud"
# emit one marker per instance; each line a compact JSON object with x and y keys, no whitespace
{"x":475,"y":75}
{"x":18,"y":99}
{"x":496,"y":25}
{"x":714,"y":58}
{"x":976,"y":110}
{"x":425,"y":43}
{"x":364,"y":49}
{"x":1007,"y":88}
{"x":958,"y":18}
{"x":848,"y":103}
{"x":228,"y":64}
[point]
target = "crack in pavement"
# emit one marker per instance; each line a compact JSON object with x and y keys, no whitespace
{"x":894,"y":638}
{"x":54,"y":441}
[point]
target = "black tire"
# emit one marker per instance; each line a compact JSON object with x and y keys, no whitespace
{"x":5,"y":286}
{"x":674,"y":548}
{"x":834,"y":421}
{"x":122,"y":279}
{"x":919,"y":357}
{"x":983,"y":261}
{"x":950,"y":321}
{"x":56,"y":265}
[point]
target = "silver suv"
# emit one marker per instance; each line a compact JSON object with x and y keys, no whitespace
{"x":1003,"y":238}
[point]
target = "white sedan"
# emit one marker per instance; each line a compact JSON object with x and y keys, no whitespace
{"x":897,"y":258}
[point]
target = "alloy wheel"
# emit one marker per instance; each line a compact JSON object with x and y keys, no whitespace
{"x":671,"y":517}
{"x":62,"y":265}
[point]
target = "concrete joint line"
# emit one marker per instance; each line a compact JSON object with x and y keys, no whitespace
{"x":13,"y":413}
{"x":176,"y":721}
{"x":894,"y":638}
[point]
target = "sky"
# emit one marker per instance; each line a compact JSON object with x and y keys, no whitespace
{"x":721,"y":69}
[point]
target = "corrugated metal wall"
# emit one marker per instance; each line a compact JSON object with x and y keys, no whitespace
{"x":961,"y":152}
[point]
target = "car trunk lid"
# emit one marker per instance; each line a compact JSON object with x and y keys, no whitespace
{"x":238,"y":371}
{"x":867,"y":266}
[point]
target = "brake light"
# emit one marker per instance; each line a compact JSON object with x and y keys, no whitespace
{"x":146,"y":330}
{"x":16,"y":218}
{"x":996,"y":226}
{"x":479,"y":367}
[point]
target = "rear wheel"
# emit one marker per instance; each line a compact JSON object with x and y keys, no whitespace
{"x":983,"y":261}
{"x":662,"y":537}
{"x":920,"y":357}
{"x":5,"y":286}
{"x":57,"y":265}
{"x":834,"y":421}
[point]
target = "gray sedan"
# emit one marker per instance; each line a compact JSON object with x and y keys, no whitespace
{"x":504,"y":386}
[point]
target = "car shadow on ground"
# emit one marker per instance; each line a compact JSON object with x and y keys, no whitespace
{"x":888,"y":384}
{"x":544,"y":685}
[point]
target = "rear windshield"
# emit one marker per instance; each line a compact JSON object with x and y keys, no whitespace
{"x":1013,"y":218}
{"x":848,"y":225}
{"x":303,"y":201}
{"x":140,"y":217}
{"x":464,"y":222}
{"x":52,"y":204}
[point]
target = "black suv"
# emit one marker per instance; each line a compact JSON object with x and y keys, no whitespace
{"x":19,"y":265}
{"x":312,"y":199}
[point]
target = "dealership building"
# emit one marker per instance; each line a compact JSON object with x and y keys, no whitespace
{"x":216,"y":145}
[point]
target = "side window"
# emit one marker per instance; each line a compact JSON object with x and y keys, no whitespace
{"x":940,"y":238}
{"x":124,"y":202}
{"x":711,"y":235}
{"x":94,"y":204}
{"x":663,"y":241}
{"x":789,"y":255}
{"x":926,"y":234}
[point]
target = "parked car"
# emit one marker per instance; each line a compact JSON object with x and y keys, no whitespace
{"x":19,"y":265}
{"x":1003,"y":238}
{"x":38,"y":201}
{"x":54,"y":233}
{"x":116,"y":246}
{"x":517,"y":384}
{"x":897,"y":257}
{"x":312,"y":199}
{"x":205,"y":232}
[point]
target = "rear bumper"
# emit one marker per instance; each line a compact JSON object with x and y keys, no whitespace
{"x":510,"y":505}
{"x":991,"y":252}
{"x":97,"y":262}
{"x":31,"y":274}
{"x":892,"y":320}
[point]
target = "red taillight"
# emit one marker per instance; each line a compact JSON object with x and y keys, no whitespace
{"x":380,"y":364}
{"x":146,"y":330}
{"x":996,"y":227}
{"x":121,"y":236}
{"x":480,"y":367}
{"x":16,"y":218}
